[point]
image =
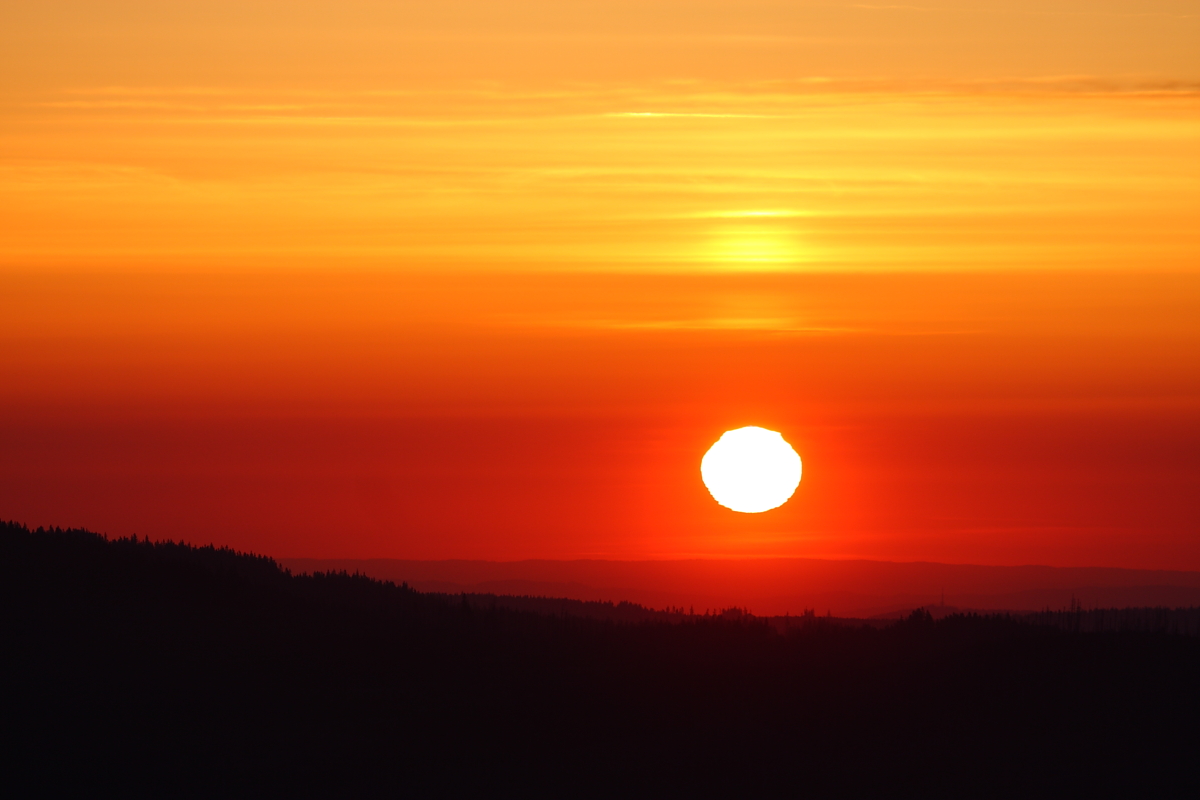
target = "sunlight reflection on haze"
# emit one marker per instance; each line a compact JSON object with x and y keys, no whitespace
{"x":754,"y":247}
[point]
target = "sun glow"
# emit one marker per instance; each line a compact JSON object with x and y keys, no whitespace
{"x":753,"y":247}
{"x":751,"y":470}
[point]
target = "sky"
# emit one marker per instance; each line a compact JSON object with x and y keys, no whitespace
{"x":484,"y":280}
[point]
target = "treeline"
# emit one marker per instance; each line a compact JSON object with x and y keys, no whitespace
{"x":1170,"y":621}
{"x":169,"y":670}
{"x":622,"y":611}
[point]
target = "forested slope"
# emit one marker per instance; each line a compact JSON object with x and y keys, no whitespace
{"x":175,"y":670}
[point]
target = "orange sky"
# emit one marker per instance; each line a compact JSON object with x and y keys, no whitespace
{"x":484,"y":280}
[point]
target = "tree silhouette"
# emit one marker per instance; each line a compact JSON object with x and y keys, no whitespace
{"x":166,"y":669}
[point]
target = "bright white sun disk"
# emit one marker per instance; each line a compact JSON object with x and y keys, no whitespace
{"x":751,"y":470}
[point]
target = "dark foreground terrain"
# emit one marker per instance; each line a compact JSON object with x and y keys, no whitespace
{"x":167,"y":670}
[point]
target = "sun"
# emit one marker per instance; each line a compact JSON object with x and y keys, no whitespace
{"x":751,"y":470}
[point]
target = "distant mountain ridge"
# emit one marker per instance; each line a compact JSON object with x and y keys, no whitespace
{"x":771,"y":587}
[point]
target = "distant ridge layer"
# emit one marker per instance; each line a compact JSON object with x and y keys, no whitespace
{"x":856,"y":589}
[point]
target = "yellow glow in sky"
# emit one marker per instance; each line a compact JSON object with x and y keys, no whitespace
{"x":634,"y":137}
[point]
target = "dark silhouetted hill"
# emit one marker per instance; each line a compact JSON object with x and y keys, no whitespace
{"x":776,"y":586}
{"x":160,"y":669}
